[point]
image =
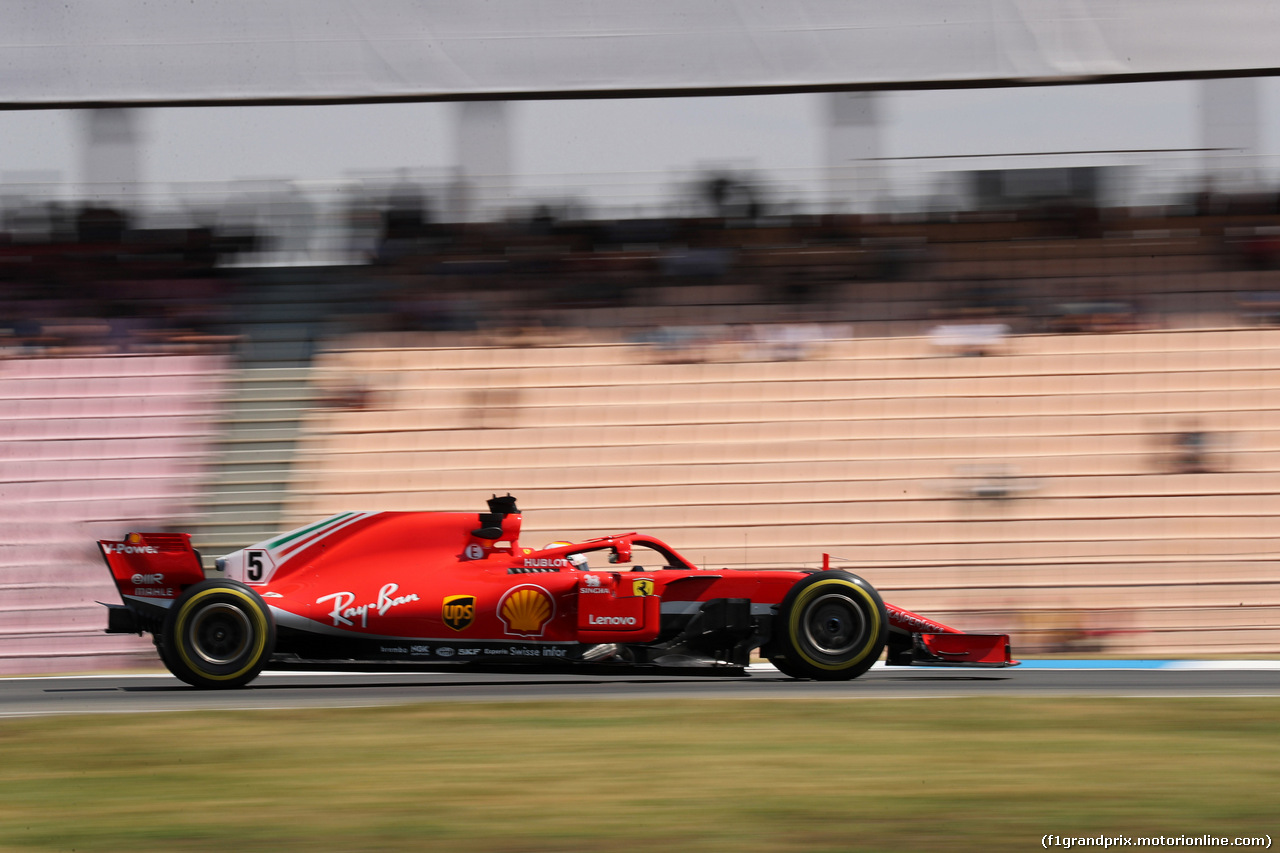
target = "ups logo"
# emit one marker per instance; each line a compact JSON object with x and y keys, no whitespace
{"x":459,"y":611}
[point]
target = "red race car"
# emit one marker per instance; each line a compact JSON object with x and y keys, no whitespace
{"x":424,"y":591}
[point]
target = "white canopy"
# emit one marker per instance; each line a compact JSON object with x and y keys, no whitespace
{"x":86,"y":52}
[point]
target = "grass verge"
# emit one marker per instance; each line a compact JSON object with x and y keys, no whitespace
{"x":648,"y":775}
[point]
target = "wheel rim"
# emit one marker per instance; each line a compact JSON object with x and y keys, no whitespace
{"x":219,"y":634}
{"x":832,"y":625}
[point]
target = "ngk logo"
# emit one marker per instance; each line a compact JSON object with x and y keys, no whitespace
{"x":147,"y":580}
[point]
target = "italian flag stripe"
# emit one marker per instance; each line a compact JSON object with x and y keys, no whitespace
{"x":289,"y":537}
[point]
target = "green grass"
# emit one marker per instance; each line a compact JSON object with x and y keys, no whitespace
{"x":649,"y":775}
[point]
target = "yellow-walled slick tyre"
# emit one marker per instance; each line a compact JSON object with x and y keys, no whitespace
{"x":219,"y":634}
{"x":831,"y":626}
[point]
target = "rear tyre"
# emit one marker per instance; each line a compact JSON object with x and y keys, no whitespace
{"x":219,"y":634}
{"x":831,"y":626}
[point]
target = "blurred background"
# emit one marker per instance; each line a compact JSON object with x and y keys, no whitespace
{"x":1013,"y":354}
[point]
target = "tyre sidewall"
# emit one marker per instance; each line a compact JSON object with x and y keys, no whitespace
{"x":182,"y":658}
{"x":798,"y":659}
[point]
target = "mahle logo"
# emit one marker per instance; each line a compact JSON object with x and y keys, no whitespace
{"x":459,"y":611}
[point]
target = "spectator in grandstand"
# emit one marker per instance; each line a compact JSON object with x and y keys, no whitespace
{"x":1094,"y":317}
{"x":1190,"y":449}
{"x":674,"y":344}
{"x":788,"y":341}
{"x":972,"y":339}
{"x":352,"y":396}
{"x":26,"y":335}
{"x":1260,"y":309}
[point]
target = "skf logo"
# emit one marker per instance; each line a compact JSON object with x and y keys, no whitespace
{"x":459,"y":611}
{"x":642,"y":587}
{"x":525,"y":610}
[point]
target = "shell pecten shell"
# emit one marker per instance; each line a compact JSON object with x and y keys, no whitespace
{"x":526,"y":610}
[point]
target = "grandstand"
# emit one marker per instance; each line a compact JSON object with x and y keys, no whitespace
{"x":93,"y":447}
{"x":745,"y":421}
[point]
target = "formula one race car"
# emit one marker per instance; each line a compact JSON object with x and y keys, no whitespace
{"x":431,"y":591}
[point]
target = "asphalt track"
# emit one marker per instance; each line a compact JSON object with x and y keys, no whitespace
{"x":101,"y":694}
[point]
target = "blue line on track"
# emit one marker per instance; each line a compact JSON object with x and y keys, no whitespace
{"x":1100,"y":664}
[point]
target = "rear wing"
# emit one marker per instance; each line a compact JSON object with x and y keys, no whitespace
{"x":152,"y":567}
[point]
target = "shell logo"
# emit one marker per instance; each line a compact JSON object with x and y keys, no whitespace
{"x":526,"y":609}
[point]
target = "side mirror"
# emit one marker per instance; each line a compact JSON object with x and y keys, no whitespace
{"x":620,"y":554}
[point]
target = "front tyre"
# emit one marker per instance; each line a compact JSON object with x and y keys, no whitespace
{"x":219,"y":634}
{"x":831,"y":626}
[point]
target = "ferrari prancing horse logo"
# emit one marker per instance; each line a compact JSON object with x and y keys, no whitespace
{"x":458,"y":611}
{"x":642,"y":587}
